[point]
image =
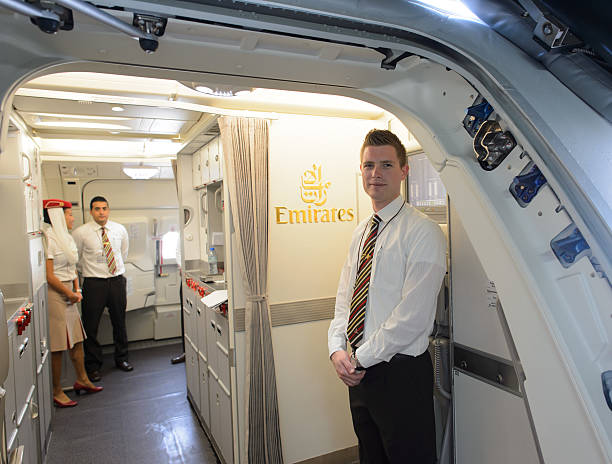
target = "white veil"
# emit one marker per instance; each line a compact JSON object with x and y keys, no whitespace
{"x":62,"y":237}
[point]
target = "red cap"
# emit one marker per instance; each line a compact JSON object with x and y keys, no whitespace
{"x":53,"y":203}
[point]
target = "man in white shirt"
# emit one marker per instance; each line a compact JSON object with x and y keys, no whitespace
{"x":385,"y":308}
{"x":103,"y":248}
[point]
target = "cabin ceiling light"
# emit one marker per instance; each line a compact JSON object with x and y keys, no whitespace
{"x":451,"y":8}
{"x":216,"y":92}
{"x":41,"y":116}
{"x":118,"y":108}
{"x":141,"y":172}
{"x":105,"y":147}
{"x":80,"y":125}
{"x":243,"y":93}
{"x":219,"y":90}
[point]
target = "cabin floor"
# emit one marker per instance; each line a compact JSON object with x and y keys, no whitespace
{"x":141,"y":416}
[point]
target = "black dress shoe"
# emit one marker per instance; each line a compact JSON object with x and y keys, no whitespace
{"x":178,"y":359}
{"x":94,"y":376}
{"x":124,"y":366}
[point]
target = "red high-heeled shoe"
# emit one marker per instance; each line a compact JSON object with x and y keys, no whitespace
{"x":78,"y":387}
{"x":67,"y":404}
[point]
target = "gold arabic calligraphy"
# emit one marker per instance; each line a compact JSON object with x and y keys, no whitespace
{"x":313,"y":189}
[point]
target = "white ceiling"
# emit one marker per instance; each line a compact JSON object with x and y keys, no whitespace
{"x":71,"y":115}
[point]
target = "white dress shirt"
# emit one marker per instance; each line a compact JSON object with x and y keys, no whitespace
{"x":62,"y":269}
{"x":92,"y":261}
{"x":407,"y":271}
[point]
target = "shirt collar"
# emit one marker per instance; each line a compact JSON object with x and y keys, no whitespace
{"x":391,"y":209}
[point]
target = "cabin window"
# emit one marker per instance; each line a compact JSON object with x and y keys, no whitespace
{"x":425,"y":188}
{"x":170,"y":245}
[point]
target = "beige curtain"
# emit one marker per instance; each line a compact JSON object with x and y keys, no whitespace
{"x":245,"y":151}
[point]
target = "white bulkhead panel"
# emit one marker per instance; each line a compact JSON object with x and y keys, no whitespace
{"x":475,"y":319}
{"x":491,"y":425}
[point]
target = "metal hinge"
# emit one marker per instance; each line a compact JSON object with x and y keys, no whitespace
{"x":549,"y":31}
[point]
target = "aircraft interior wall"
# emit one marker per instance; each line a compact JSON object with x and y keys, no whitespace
{"x":150,"y":209}
{"x":537,"y":390}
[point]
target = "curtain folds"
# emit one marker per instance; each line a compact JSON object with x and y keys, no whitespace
{"x":245,"y":151}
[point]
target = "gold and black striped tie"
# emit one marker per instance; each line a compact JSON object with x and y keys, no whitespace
{"x":108,"y":252}
{"x":354,"y":330}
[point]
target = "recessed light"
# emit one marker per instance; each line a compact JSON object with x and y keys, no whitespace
{"x":204,"y":89}
{"x":216,"y":92}
{"x":115,"y":132}
{"x":118,"y":108}
{"x":243,"y":93}
{"x":82,"y":125}
{"x":141,"y":172}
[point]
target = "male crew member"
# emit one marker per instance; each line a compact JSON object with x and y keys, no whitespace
{"x":385,"y":308}
{"x":103,"y":248}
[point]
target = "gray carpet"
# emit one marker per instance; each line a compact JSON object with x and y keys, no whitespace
{"x":142,"y":416}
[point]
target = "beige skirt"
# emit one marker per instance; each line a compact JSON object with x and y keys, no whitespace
{"x":65,"y":326}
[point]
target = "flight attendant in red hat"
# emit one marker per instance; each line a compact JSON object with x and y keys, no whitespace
{"x":65,"y":327}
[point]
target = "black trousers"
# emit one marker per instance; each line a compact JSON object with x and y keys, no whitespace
{"x":182,"y":319}
{"x":392,"y":410}
{"x":97,"y":295}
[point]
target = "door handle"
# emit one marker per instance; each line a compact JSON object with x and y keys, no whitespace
{"x":23,"y":347}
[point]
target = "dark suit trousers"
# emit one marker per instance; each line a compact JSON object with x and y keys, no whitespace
{"x":392,"y":410}
{"x":98,"y":294}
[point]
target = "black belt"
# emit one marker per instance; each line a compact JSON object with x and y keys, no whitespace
{"x":104,"y":278}
{"x":399,"y":357}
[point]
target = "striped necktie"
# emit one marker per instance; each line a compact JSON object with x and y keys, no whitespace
{"x":108,"y":252}
{"x":354,"y":330}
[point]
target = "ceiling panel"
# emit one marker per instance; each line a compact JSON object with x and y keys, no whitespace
{"x":92,"y":115}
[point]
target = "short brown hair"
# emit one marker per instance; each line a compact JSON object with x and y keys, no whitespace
{"x":379,"y":137}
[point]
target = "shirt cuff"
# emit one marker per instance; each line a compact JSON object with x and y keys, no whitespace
{"x":336,"y":345}
{"x":364,"y":359}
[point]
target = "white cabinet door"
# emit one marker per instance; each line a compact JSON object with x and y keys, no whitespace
{"x":10,"y":405}
{"x":204,"y":392}
{"x":205,"y":165}
{"x":214,"y":158}
{"x":188,"y":366}
{"x":196,"y":170}
{"x":211,"y":341}
{"x":27,"y":435}
{"x":44,"y":401}
{"x":200,"y":315}
{"x":193,"y":373}
{"x":224,"y":439}
{"x":202,"y":331}
{"x":188,"y":311}
{"x":219,"y":383}
{"x":23,"y":367}
{"x":215,"y":400}
{"x":222,"y":345}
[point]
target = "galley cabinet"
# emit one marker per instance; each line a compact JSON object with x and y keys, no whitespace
{"x":208,"y":359}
